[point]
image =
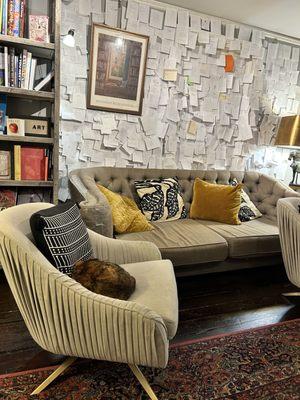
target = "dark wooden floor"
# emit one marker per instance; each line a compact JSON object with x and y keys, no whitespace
{"x":209,"y":305}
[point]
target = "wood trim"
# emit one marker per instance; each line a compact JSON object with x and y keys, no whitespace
{"x":26,"y":139}
{"x":28,"y":183}
{"x":56,"y":113}
{"x":11,"y":40}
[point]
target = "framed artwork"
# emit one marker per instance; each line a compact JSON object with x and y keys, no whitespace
{"x":117,"y":70}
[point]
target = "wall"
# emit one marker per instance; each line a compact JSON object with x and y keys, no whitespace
{"x":236,"y":113}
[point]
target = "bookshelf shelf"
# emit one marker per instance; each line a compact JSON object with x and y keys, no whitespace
{"x":26,"y":183}
{"x":11,"y":40}
{"x":29,"y":94}
{"x":26,"y":139}
{"x":39,"y":49}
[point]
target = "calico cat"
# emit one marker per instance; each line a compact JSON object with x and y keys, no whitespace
{"x":105,"y":278}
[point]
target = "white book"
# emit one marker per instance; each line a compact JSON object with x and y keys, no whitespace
{"x":6,"y":67}
{"x":44,"y":82}
{"x":32,"y":73}
{"x":27,"y":76}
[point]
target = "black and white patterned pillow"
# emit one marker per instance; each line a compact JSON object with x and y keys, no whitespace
{"x":248,"y":210}
{"x":160,"y":199}
{"x":61,"y":235}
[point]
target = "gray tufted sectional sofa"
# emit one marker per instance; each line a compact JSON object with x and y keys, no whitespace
{"x":193,"y":246}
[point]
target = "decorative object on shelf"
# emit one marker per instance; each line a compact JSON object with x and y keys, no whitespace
{"x":39,"y":28}
{"x":15,"y":127}
{"x":69,"y":39}
{"x":37,"y":126}
{"x":5,"y":164}
{"x":30,"y":195}
{"x":8,"y":198}
{"x":288,"y":135}
{"x":117,"y":70}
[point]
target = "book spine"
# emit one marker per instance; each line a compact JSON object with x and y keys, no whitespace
{"x":11,"y":67}
{"x":16,"y":22}
{"x":4,"y":18}
{"x":24,"y":63}
{"x":1,"y":13}
{"x":16,"y":71}
{"x":22,"y":18}
{"x":6,"y":66}
{"x":20,"y":62}
{"x":28,"y":65}
{"x":10,"y":17}
{"x":32,"y":73}
{"x":17,"y":162}
{"x":2,"y":67}
{"x":46,"y":161}
{"x":44,"y":82}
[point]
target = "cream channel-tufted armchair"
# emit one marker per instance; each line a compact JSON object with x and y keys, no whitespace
{"x":65,"y":318}
{"x":289,"y":232}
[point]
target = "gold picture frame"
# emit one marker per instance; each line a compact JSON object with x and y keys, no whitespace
{"x":117,"y":70}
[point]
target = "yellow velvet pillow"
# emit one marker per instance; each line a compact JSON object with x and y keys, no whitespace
{"x":216,"y":202}
{"x":125,"y":213}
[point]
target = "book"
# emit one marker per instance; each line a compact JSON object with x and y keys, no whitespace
{"x":17,"y":162}
{"x":4,"y":17}
{"x":24,"y":65}
{"x":33,"y":163}
{"x":8,"y":198}
{"x":2,"y":67}
{"x":11,"y":66}
{"x":39,"y":28}
{"x":27,"y":73}
{"x":5,"y":165}
{"x":20,"y":63}
{"x":32,"y":73}
{"x":10,"y":17}
{"x":16,"y":22}
{"x":15,"y":127}
{"x":3,"y":106}
{"x":44,"y":82}
{"x":1,"y":12}
{"x":22,"y":18}
{"x":6,"y":67}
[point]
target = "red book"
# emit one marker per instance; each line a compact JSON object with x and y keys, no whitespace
{"x":33,"y":163}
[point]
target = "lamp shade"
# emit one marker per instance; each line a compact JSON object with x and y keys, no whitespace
{"x":288,"y":134}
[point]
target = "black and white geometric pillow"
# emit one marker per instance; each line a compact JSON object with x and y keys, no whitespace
{"x":61,"y":235}
{"x":160,"y":199}
{"x":248,"y":210}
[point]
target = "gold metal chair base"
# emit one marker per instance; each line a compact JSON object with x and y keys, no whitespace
{"x":70,"y":360}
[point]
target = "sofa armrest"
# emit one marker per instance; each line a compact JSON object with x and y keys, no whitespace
{"x":123,"y":251}
{"x":265,"y":192}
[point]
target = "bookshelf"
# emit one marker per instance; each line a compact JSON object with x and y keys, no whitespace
{"x":48,"y":100}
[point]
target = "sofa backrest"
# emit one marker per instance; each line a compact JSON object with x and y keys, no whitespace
{"x":263,"y":190}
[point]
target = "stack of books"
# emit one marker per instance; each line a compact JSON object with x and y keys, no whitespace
{"x":32,"y":163}
{"x":17,"y":68}
{"x":12,"y":17}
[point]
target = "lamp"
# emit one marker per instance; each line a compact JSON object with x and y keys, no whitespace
{"x":69,"y":39}
{"x":288,"y":135}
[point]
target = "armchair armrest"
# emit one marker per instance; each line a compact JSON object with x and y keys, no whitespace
{"x":122,"y":251}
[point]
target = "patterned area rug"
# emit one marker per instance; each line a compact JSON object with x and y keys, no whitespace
{"x":260,"y":364}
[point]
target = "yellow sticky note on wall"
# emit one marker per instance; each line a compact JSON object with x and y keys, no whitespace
{"x":170,"y":75}
{"x":192,"y":128}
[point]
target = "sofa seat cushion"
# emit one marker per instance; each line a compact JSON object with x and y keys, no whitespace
{"x":184,"y":241}
{"x":258,"y":237}
{"x":156,"y":289}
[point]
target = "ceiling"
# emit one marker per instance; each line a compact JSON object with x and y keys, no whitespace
{"x":281,"y":16}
